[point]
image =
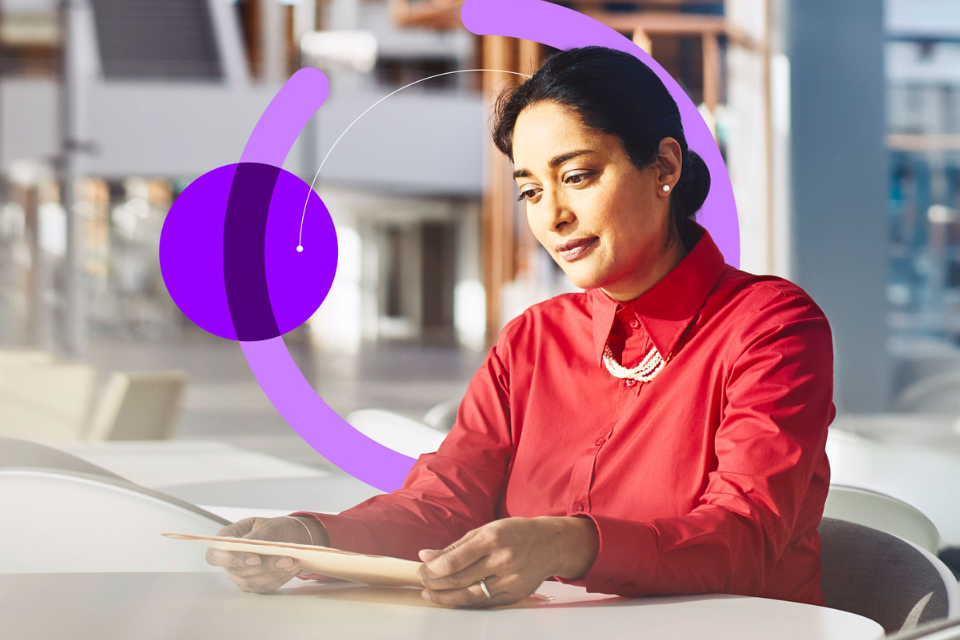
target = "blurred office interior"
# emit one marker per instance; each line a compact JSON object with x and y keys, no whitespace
{"x":839,"y":121}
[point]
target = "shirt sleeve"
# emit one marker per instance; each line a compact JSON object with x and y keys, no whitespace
{"x":447,"y":493}
{"x":771,"y":438}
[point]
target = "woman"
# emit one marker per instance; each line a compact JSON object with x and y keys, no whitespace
{"x":660,"y":433}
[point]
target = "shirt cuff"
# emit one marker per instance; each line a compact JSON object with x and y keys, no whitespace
{"x":344,"y":534}
{"x":627,"y":555}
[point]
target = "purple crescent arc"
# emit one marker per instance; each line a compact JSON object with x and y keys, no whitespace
{"x":229,"y":257}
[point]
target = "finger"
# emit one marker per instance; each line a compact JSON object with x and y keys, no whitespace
{"x":238,"y":529}
{"x":500,"y":600}
{"x":426,"y":555}
{"x":260,"y":583}
{"x":267,"y":581}
{"x":460,"y":579}
{"x":277,"y":565}
{"x":469,"y":596}
{"x":245,"y":572}
{"x":282,"y":565}
{"x":219,"y":558}
{"x":455,"y":558}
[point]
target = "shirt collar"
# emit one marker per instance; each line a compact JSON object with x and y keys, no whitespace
{"x":667,"y":308}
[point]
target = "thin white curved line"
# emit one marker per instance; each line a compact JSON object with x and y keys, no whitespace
{"x":317,"y":175}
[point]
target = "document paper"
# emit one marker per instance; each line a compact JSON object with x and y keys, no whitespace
{"x":373,"y":570}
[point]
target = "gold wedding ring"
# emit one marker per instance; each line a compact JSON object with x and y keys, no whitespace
{"x":486,"y":592}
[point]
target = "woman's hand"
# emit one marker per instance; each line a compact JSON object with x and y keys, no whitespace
{"x":513,"y":556}
{"x":260,"y":573}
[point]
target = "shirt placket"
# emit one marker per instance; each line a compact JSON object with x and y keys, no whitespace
{"x":585,"y":468}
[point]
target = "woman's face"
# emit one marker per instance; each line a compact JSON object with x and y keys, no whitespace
{"x":606,"y":223}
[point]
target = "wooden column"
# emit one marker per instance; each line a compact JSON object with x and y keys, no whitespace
{"x":507,"y":242}
{"x":499,"y":53}
{"x":526,"y":245}
{"x":37,"y":316}
{"x":642,"y":40}
{"x":711,"y":71}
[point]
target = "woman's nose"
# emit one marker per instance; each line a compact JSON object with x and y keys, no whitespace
{"x":558,"y":210}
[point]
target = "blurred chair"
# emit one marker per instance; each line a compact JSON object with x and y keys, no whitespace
{"x":922,"y":476}
{"x":139,"y":406}
{"x":24,"y":453}
{"x":882,"y":577}
{"x":882,"y":512}
{"x":397,"y":432}
{"x":939,"y":630}
{"x":45,"y":400}
{"x":443,"y":416}
{"x":70,"y":522}
{"x":25,"y":356}
{"x":939,"y":393}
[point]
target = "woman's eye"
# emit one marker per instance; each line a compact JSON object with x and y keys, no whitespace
{"x":527,"y":194}
{"x":576,"y":178}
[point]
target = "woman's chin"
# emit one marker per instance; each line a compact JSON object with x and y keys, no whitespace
{"x":582,"y":280}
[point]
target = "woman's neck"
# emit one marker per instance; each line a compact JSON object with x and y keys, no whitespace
{"x":675,"y":253}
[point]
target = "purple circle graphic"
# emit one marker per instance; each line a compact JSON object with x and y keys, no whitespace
{"x":228,"y":252}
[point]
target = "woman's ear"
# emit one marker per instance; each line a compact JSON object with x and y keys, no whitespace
{"x":669,"y":165}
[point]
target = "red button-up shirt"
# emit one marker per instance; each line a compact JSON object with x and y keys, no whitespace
{"x":709,"y":478}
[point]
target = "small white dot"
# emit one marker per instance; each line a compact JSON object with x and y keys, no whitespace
{"x":299,"y":248}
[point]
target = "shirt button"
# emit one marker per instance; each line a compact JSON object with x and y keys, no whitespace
{"x":634,"y":323}
{"x":577,"y":507}
{"x":599,"y":441}
{"x":630,"y":382}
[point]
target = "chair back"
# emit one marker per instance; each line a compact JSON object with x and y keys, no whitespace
{"x":25,"y":453}
{"x":939,"y":393}
{"x":882,"y":577}
{"x":139,"y":406}
{"x":45,"y":400}
{"x":882,"y":512}
{"x":397,"y":432}
{"x":443,"y":416}
{"x":71,"y":522}
{"x":924,"y":476}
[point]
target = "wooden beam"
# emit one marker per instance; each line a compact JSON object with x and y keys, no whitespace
{"x":923,"y":142}
{"x":644,"y":3}
{"x":672,"y":24}
{"x":435,"y":14}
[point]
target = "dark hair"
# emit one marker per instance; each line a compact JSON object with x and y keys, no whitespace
{"x":615,"y":93}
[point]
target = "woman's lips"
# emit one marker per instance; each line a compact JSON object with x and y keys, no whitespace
{"x":576,"y":249}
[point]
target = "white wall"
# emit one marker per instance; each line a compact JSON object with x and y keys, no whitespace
{"x":421,"y":143}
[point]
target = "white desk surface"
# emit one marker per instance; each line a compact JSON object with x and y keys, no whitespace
{"x":148,"y":606}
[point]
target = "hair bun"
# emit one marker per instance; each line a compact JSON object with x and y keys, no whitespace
{"x":693,"y":186}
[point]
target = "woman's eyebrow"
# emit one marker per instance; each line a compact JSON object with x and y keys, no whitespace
{"x":554,"y":162}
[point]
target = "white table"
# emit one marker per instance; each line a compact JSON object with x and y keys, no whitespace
{"x":149,"y":606}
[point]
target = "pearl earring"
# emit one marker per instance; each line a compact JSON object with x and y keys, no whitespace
{"x":666,"y":188}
